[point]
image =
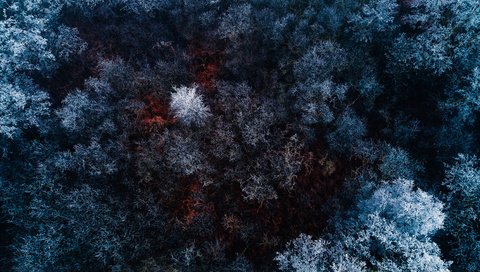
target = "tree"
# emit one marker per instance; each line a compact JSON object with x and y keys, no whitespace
{"x":24,"y":44}
{"x":389,"y":230}
{"x":188,"y":106}
{"x":463,"y":181}
{"x":348,"y":133}
{"x":465,"y":24}
{"x":303,"y":254}
{"x":24,"y":50}
{"x":68,"y":43}
{"x":465,"y":102}
{"x":428,"y":51}
{"x":396,"y":163}
{"x":315,"y":91}
{"x":77,"y":109}
{"x":184,"y":155}
{"x":22,"y":105}
{"x":455,"y":136}
{"x":459,"y":112}
{"x":235,"y":22}
{"x":314,"y":100}
{"x":91,"y":160}
{"x":320,"y":61}
{"x":375,"y":18}
{"x":256,"y":187}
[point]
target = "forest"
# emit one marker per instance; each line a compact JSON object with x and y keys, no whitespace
{"x":234,"y":135}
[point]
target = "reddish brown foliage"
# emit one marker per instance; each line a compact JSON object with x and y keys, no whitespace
{"x":195,"y":203}
{"x":155,"y":113}
{"x":206,"y":63}
{"x":206,"y":76}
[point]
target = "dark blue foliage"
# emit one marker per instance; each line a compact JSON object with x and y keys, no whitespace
{"x":221,"y":135}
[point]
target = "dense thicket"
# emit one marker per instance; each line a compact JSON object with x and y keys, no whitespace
{"x":218,"y":135}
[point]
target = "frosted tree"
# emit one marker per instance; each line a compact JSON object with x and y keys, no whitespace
{"x":390,"y":230}
{"x":68,"y":43}
{"x":315,"y":91}
{"x":465,"y":101}
{"x":184,"y":155}
{"x":374,"y":19}
{"x":235,"y":22}
{"x":303,"y":254}
{"x":188,"y":106}
{"x":396,"y":163}
{"x":314,"y":99}
{"x":466,"y":24}
{"x":90,"y":160}
{"x":24,"y":49}
{"x":77,"y":108}
{"x":428,"y":51}
{"x":320,"y":61}
{"x":307,"y":254}
{"x":22,"y":105}
{"x":348,"y":133}
{"x":411,"y":211}
{"x":24,"y":28}
{"x":463,"y":181}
